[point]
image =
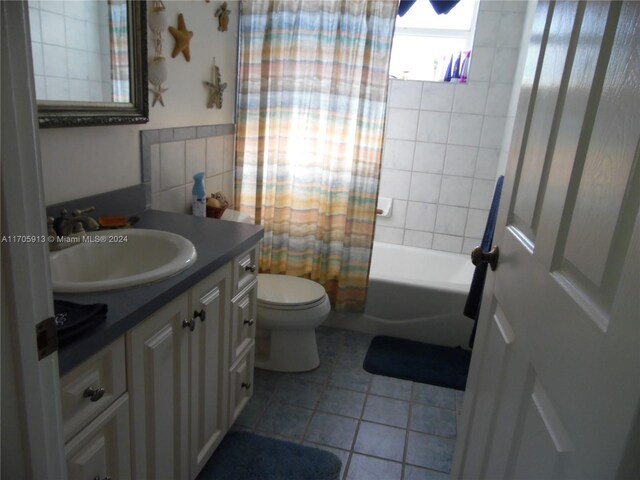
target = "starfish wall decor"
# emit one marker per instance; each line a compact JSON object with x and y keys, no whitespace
{"x":214,"y":99}
{"x":182,"y":37}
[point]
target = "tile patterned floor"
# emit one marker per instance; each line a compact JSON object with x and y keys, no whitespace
{"x":380,"y":427}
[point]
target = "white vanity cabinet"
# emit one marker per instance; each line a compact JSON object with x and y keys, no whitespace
{"x":175,"y":381}
{"x":184,"y":367}
{"x":157,"y":402}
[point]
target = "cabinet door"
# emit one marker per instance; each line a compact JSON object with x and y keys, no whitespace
{"x":243,"y":322}
{"x":210,"y":311}
{"x":241,"y":383}
{"x":158,"y":375}
{"x":245,"y":269}
{"x":101,"y":449}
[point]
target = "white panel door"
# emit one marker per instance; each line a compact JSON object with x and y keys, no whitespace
{"x":554,"y":384}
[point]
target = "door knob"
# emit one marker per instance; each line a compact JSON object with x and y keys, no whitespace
{"x":490,"y":257}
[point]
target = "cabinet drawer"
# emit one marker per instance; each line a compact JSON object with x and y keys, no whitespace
{"x":101,"y":450}
{"x":91,"y":387}
{"x":241,"y":384}
{"x":243,"y":321}
{"x":245,"y":269}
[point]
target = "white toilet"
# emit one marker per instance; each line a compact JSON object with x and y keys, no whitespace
{"x":289,"y":310}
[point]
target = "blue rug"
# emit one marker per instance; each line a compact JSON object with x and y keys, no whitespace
{"x":246,"y":456}
{"x":419,"y":362}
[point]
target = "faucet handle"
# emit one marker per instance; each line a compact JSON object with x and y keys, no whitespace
{"x":60,"y":220}
{"x":77,"y":211}
{"x":50,"y":230}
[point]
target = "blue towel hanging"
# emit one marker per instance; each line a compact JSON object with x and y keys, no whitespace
{"x":474,"y":299}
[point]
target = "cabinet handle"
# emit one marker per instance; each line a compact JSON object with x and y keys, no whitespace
{"x":250,"y":268}
{"x":93,"y":393}
{"x":189,"y":323}
{"x":245,"y":385}
{"x":202,"y":314}
{"x":249,"y":322}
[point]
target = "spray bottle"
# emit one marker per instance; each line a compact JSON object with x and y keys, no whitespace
{"x":198,"y":199}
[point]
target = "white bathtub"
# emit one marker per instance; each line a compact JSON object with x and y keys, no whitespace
{"x":416,"y":294}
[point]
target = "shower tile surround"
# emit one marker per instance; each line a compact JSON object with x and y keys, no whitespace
{"x":380,"y":427}
{"x":444,"y":141}
{"x":171,"y":156}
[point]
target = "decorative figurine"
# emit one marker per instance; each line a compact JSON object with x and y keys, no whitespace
{"x":157,"y":64}
{"x":223,"y":17}
{"x":182,"y":37}
{"x":214,"y":99}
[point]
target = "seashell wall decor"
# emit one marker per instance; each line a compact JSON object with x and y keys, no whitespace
{"x":157,"y":64}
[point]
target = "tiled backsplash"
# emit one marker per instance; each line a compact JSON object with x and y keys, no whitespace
{"x":171,"y":156}
{"x":443,"y":142}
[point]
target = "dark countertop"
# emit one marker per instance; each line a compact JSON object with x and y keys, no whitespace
{"x":217,"y":242}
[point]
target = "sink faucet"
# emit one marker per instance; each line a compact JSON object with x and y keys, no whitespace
{"x":78,"y":223}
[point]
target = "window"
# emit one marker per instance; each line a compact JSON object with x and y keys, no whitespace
{"x":425,"y":43}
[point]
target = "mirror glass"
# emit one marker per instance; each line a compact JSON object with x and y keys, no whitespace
{"x":89,"y":61}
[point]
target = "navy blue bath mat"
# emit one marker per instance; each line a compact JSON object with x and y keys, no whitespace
{"x":246,"y":456}
{"x":419,"y":362}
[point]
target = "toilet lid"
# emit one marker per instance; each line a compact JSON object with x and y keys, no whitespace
{"x":288,"y":290}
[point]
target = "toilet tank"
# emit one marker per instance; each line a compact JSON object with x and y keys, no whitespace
{"x":236,"y":216}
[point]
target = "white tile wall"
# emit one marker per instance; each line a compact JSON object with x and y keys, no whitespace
{"x":451,"y":220}
{"x":173,"y":165}
{"x":460,"y":160}
{"x":421,"y":216}
{"x":425,"y":187}
{"x":444,"y":142}
{"x":402,"y":123}
{"x":418,"y":239}
{"x":429,"y":157}
{"x":433,"y":126}
{"x":398,"y":154}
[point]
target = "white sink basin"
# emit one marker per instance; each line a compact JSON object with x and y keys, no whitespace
{"x":115,"y":259}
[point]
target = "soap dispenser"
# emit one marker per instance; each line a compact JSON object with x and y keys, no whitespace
{"x":198,"y":199}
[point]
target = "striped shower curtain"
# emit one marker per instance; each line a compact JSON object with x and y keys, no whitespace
{"x":311,"y":106}
{"x":119,"y":50}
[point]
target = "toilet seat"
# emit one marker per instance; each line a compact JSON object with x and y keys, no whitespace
{"x":284,"y":292}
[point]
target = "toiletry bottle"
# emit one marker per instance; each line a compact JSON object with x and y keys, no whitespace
{"x":464,"y":68}
{"x":455,"y":73}
{"x":447,"y":73}
{"x":198,"y":199}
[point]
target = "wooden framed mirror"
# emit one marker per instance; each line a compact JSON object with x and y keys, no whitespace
{"x":90,"y":62}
